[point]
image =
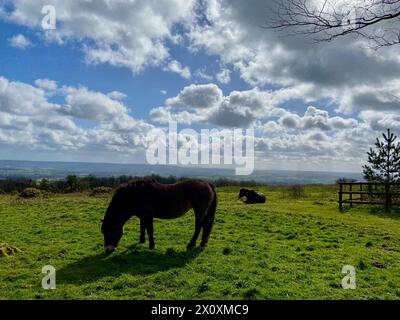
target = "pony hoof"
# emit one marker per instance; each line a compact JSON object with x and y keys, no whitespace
{"x":141,"y":241}
{"x":203,"y":244}
{"x":151,"y":247}
{"x":190,"y":246}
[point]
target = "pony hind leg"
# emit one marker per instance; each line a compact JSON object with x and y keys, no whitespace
{"x":197,"y":229}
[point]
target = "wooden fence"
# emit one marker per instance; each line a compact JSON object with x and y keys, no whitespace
{"x":385,"y":194}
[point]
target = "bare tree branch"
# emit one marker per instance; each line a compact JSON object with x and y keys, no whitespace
{"x":378,"y":21}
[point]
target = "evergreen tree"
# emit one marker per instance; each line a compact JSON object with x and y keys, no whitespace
{"x":384,"y":161}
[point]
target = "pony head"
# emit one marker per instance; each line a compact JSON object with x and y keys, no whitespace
{"x":112,"y":231}
{"x":242,"y":193}
{"x":112,"y":236}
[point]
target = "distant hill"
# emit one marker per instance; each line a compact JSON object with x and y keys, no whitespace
{"x":58,"y":170}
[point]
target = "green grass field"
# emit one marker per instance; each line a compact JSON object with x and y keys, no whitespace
{"x":285,"y":249}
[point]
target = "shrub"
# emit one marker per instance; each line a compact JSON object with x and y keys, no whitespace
{"x":101,"y":191}
{"x":30,"y":193}
{"x":73,"y":183}
{"x":297,"y":191}
{"x":46,"y":185}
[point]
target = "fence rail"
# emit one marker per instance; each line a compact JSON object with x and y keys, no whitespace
{"x":386,"y":194}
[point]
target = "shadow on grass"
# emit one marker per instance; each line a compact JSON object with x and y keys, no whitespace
{"x":133,"y":261}
{"x":375,"y":210}
{"x":393,"y":213}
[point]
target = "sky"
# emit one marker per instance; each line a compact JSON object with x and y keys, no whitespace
{"x":112,"y":70}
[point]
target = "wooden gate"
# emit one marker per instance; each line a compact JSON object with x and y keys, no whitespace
{"x":385,"y":194}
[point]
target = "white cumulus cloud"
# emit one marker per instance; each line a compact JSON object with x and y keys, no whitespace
{"x":19,"y":41}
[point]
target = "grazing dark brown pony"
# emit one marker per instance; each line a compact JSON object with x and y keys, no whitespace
{"x":148,"y":199}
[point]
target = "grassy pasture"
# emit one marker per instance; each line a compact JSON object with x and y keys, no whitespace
{"x":288,"y":248}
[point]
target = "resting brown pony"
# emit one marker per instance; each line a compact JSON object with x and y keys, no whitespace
{"x":148,"y":199}
{"x":251,"y":196}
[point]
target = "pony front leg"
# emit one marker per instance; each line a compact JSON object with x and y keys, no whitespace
{"x":149,"y":227}
{"x":142,"y":238}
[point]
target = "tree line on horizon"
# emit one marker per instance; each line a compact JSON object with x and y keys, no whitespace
{"x":73,"y":183}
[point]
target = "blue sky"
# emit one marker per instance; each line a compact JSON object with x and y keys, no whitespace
{"x":92,"y":88}
{"x":66,"y":65}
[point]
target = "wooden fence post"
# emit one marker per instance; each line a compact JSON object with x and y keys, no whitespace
{"x":340,"y":197}
{"x":351,"y":195}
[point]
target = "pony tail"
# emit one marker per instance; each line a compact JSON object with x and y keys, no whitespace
{"x":209,"y":218}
